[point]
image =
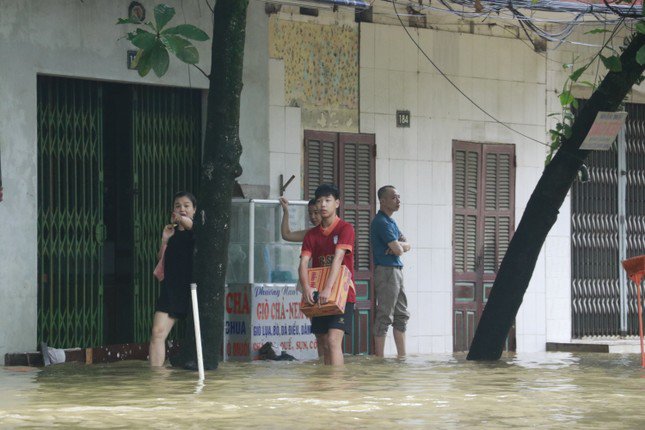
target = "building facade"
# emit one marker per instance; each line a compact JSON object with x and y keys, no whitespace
{"x":322,"y":95}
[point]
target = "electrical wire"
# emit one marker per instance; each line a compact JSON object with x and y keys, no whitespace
{"x":445,"y":76}
{"x":583,"y":14}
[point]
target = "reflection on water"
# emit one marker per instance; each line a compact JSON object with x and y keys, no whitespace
{"x":551,"y":390}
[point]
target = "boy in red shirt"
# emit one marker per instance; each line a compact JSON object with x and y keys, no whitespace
{"x":329,"y":244}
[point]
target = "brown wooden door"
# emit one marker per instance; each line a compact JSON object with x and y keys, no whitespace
{"x":357,"y":182}
{"x":348,"y":159}
{"x":483,"y":223}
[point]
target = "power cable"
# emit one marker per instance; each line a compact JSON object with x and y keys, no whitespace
{"x":441,"y":72}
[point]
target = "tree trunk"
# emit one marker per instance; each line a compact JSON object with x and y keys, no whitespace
{"x":542,"y":209}
{"x":220,"y":167}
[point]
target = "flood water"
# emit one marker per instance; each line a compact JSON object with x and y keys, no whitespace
{"x":549,"y":390}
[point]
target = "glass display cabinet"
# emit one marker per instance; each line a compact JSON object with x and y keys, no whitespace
{"x":262,"y":300}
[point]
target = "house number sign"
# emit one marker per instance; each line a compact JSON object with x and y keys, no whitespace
{"x":403,"y":118}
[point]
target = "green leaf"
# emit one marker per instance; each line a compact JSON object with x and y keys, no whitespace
{"x":575,"y":75}
{"x":554,"y":114}
{"x":567,"y":131}
{"x":135,"y":60}
{"x":598,"y":30}
{"x":159,"y":59}
{"x":142,"y":39}
{"x":566,"y":98}
{"x":574,"y":103}
{"x":640,"y":56}
{"x":144,"y":64}
{"x":188,"y":31}
{"x":612,"y":63}
{"x":163,"y":14}
{"x":640,"y":27}
{"x":127,"y":21}
{"x":182,"y":48}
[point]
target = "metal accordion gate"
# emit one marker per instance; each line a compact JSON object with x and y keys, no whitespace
{"x":607,"y":225}
{"x":70,"y":212}
{"x":165,"y":132}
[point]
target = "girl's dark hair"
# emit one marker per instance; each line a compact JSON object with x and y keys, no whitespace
{"x":190,"y":196}
{"x":312,"y":202}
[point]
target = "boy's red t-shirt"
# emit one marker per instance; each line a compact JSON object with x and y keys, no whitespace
{"x":321,"y":244}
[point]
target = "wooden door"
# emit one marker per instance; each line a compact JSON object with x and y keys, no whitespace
{"x":483,"y":223}
{"x":347,"y":160}
{"x":357,"y":180}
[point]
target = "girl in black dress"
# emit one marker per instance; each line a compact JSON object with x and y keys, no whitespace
{"x":174,"y":298}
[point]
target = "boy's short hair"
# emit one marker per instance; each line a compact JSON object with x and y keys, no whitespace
{"x":382,"y":190}
{"x":312,"y":202}
{"x":190,"y":196}
{"x":325,"y":190}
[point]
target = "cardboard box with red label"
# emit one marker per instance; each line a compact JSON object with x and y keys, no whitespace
{"x":336,"y":303}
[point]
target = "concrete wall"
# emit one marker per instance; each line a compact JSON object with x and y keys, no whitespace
{"x":254,"y":125}
{"x":79,"y":39}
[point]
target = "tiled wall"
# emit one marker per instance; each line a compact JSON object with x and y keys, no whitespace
{"x":507,"y":79}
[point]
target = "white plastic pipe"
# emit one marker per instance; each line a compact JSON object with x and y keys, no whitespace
{"x":198,"y":332}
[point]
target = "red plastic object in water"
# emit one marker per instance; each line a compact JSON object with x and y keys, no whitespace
{"x":635,"y":268}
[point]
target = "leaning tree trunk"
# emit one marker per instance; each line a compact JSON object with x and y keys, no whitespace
{"x":542,"y":211}
{"x":220,"y":167}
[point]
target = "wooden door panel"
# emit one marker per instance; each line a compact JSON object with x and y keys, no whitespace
{"x":483,"y":223}
{"x":357,"y":184}
{"x":348,"y":160}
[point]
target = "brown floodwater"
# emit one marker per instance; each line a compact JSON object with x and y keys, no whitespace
{"x":549,"y":390}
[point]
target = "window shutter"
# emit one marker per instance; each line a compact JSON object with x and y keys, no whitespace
{"x":466,"y":179}
{"x":497,"y":203}
{"x":321,"y":158}
{"x":357,"y":181}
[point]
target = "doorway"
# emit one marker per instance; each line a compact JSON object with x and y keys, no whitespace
{"x":110,"y":157}
{"x":483,"y":224}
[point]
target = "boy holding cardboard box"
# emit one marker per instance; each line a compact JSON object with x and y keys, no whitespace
{"x":329,"y":244}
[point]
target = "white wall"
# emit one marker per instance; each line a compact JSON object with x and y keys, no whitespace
{"x":507,"y":79}
{"x":285,"y":137}
{"x":254,"y":126}
{"x":79,"y":39}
